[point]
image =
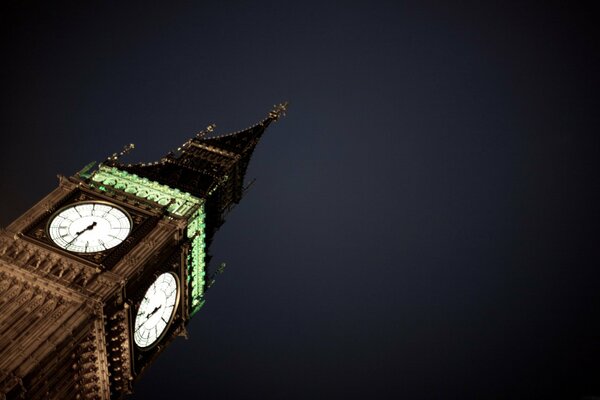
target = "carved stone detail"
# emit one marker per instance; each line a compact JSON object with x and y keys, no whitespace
{"x":119,"y":360}
{"x":89,"y":368}
{"x":45,"y":263}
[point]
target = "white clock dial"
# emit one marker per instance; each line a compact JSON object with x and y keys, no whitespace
{"x":156,"y":310}
{"x":89,"y":227}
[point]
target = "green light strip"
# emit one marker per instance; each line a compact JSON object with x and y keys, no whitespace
{"x":181,"y":203}
{"x":196,"y":259}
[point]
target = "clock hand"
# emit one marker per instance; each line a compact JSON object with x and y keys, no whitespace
{"x":150,"y":314}
{"x":89,"y":228}
{"x":153,"y":312}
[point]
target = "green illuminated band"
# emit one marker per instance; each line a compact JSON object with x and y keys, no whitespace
{"x":181,"y":203}
{"x":196,"y":258}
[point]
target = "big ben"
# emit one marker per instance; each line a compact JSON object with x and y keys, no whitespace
{"x":104,"y":272}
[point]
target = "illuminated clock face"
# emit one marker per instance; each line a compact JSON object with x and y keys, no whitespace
{"x":89,"y":227}
{"x":156,"y":310}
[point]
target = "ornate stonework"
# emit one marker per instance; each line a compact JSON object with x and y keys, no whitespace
{"x":67,"y":317}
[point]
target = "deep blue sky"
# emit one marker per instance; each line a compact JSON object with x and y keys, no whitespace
{"x":424,"y":221}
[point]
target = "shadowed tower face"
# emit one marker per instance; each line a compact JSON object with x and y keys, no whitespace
{"x":104,"y":272}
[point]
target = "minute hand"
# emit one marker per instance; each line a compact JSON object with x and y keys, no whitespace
{"x":89,"y":228}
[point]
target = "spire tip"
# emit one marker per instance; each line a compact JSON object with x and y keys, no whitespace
{"x":278,"y":111}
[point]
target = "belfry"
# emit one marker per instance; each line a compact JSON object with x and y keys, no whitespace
{"x":104,"y":272}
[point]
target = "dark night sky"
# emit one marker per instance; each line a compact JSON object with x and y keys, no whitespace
{"x":424,"y":221}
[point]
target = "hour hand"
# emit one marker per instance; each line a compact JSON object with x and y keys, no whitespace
{"x":89,"y":228}
{"x":153,"y":312}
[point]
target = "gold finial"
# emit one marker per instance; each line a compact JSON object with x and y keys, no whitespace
{"x":208,"y":129}
{"x":278,"y":111}
{"x":221,"y":268}
{"x":126,"y":149}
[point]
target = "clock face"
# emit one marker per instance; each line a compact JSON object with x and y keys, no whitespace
{"x":89,"y":227}
{"x":156,"y":310}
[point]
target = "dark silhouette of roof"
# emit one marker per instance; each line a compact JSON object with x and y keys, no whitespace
{"x":206,"y":165}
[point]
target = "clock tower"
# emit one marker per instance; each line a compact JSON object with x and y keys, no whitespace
{"x":104,"y":272}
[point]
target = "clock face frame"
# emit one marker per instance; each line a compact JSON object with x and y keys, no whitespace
{"x":156,"y":311}
{"x":89,"y":226}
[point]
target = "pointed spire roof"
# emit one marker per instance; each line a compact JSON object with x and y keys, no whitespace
{"x":203,"y":163}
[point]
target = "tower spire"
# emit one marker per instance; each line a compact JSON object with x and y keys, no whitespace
{"x":278,"y":111}
{"x":206,"y":167}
